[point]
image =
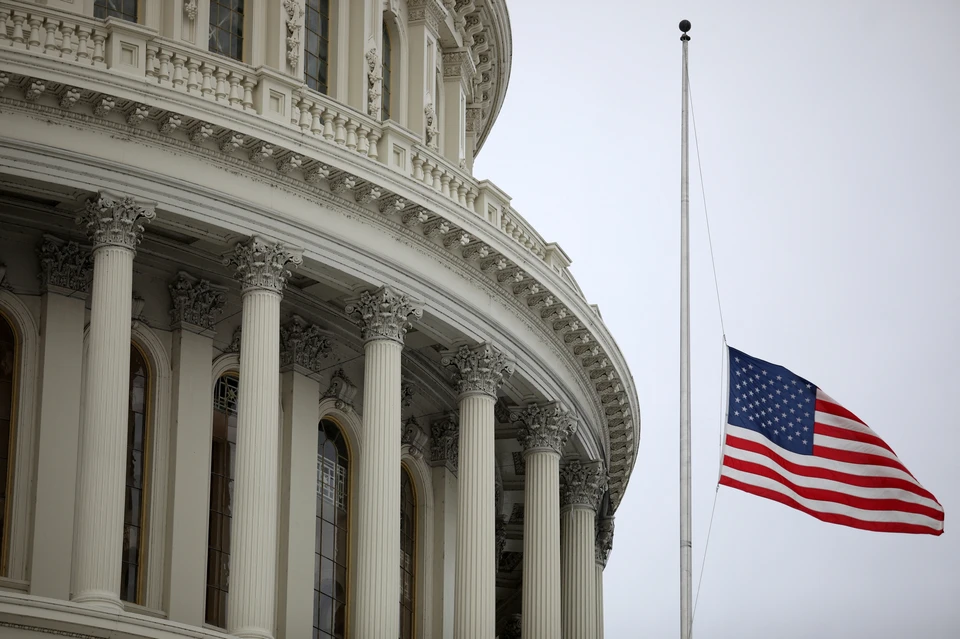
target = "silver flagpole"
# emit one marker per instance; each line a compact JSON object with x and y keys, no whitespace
{"x":686,"y":534}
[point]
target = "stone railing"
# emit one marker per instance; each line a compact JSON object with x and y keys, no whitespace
{"x":215,"y":78}
{"x":326,"y":119}
{"x":76,"y":39}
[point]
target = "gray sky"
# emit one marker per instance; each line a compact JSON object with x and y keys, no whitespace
{"x":829,"y":135}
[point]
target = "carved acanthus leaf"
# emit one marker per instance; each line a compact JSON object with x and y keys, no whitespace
{"x":478,"y":369}
{"x":413,"y":438}
{"x":445,"y":442}
{"x":196,"y":302}
{"x":384,"y":314}
{"x":303,"y":344}
{"x":604,"y":541}
{"x":262,"y":264}
{"x":341,"y":389}
{"x":65,"y":267}
{"x":582,"y":485}
{"x":543,"y":426}
{"x":113,"y":220}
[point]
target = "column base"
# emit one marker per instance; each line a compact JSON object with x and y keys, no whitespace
{"x":251,"y":633}
{"x":101,"y":600}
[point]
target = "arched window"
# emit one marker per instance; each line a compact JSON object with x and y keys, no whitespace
{"x":408,"y":545}
{"x":330,"y":560}
{"x":226,"y":28}
{"x":222,"y":471}
{"x":317,"y":49}
{"x":387,"y":64}
{"x":133,"y":504}
{"x":8,"y":385}
{"x":123,"y":9}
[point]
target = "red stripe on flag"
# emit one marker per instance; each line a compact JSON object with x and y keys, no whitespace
{"x":851,"y":457}
{"x":816,"y":472}
{"x":836,"y":409}
{"x":822,"y":494}
{"x":852,"y":435}
{"x":843,"y":520}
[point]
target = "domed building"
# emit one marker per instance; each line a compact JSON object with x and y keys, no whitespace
{"x":273,"y":362}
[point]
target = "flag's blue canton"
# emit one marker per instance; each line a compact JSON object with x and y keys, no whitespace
{"x":772,"y":401}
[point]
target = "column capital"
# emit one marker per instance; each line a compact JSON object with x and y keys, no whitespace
{"x":303,"y":346}
{"x":384,"y":314}
{"x":479,"y":369}
{"x":604,"y":542}
{"x":445,"y":442}
{"x":582,"y":485}
{"x":262,"y":263}
{"x":543,"y":426}
{"x":115,"y":220}
{"x":196,"y":303}
{"x":65,"y":267}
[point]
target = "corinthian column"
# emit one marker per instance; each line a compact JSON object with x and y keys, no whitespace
{"x":581,"y":489}
{"x":604,"y":543}
{"x":544,"y":430}
{"x":479,"y":372}
{"x":384,"y":317}
{"x":114,"y":225}
{"x":262,"y":271}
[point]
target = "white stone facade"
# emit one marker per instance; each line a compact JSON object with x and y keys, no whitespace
{"x":273,"y":363}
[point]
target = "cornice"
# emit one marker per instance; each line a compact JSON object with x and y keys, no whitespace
{"x":607,"y":377}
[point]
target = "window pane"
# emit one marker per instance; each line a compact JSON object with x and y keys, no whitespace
{"x":226,"y":28}
{"x":317,"y":25}
{"x":223,"y":453}
{"x":407,"y":546}
{"x":133,"y":512}
{"x":123,"y":9}
{"x":330,"y":571}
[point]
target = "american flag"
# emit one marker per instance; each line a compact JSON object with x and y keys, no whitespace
{"x":788,"y":441}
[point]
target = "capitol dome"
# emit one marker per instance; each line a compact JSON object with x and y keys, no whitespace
{"x":273,"y":362}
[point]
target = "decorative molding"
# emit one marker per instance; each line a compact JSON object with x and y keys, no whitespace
{"x":582,"y":485}
{"x":196,"y":303}
{"x":294,"y":12}
{"x":136,"y":308}
{"x":543,"y":426}
{"x":374,"y":82}
{"x":412,"y":438}
{"x":384,"y":314}
{"x":459,"y":64}
{"x":479,"y":369}
{"x":65,"y":267}
{"x":429,"y":11}
{"x":190,"y":9}
{"x":262,"y":264}
{"x":445,"y":442}
{"x":604,"y":541}
{"x":235,"y":341}
{"x":501,"y":536}
{"x":519,"y":463}
{"x":114,"y":220}
{"x":407,"y":391}
{"x":342,"y":390}
{"x":513,"y":628}
{"x":432,"y":130}
{"x":303,"y":346}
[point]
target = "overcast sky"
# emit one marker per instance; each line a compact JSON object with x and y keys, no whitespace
{"x":829,"y":137}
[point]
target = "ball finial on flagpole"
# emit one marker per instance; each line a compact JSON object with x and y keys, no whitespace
{"x":685,"y":27}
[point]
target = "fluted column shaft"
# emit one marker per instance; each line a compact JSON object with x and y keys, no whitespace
{"x":103,"y":439}
{"x":114,"y":226}
{"x":599,"y":581}
{"x":541,"y":545}
{"x":378,"y":520}
{"x":475,"y":585}
{"x":253,"y":556}
{"x":577,"y":568}
{"x":251,"y":607}
{"x":384,"y":318}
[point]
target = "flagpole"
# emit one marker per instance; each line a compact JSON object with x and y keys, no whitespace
{"x":686,"y":534}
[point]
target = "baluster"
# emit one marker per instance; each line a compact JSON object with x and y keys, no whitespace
{"x":34,"y":22}
{"x":340,"y":136}
{"x":236,"y":93}
{"x":193,"y":76}
{"x":221,"y":90}
{"x":249,"y":84}
{"x":207,"y":88}
{"x":50,"y":44}
{"x":316,"y":119}
{"x":328,"y":116}
{"x":374,"y":152}
{"x":445,"y":184}
{"x":352,"y":135}
{"x":163,"y":75}
{"x":98,"y":39}
{"x":306,"y":119}
{"x":178,"y":79}
{"x":4,"y":20}
{"x":428,"y":172}
{"x":83,"y":42}
{"x":363,"y":143}
{"x":471,"y":198}
{"x":437,"y":172}
{"x":151,"y":70}
{"x":66,"y":40}
{"x":17,"y":36}
{"x":417,"y":167}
